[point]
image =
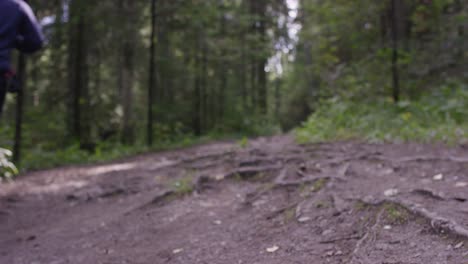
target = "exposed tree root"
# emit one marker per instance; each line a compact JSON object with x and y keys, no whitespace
{"x":438,"y":223}
{"x":425,"y":159}
{"x":279,"y":182}
{"x":214,"y":156}
{"x":369,"y":237}
{"x":334,"y":240}
{"x":282,"y":210}
{"x":159,"y":199}
{"x":429,"y":193}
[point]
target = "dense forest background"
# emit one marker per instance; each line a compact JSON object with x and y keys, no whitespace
{"x":123,"y":76}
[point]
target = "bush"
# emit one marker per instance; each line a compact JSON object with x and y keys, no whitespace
{"x":439,"y":116}
{"x":7,"y":169}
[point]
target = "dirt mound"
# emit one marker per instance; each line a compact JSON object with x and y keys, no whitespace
{"x":270,"y":202}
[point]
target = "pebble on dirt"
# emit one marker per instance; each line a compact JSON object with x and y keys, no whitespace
{"x":438,"y":177}
{"x":459,"y":245}
{"x":391,"y":192}
{"x":177,"y":251}
{"x":272,"y":249}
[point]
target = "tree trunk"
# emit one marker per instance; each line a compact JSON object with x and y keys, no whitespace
{"x":197,"y":127}
{"x":151,"y":84}
{"x":395,"y":55}
{"x":79,"y":128}
{"x":19,"y":110}
{"x":127,"y":70}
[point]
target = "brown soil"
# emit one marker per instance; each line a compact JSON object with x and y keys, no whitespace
{"x":272,"y":202}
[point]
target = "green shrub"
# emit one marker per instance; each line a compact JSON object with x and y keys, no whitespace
{"x":7,"y":169}
{"x":439,"y":116}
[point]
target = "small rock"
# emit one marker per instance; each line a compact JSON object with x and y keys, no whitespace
{"x":272,"y":249}
{"x":339,"y":253}
{"x":461,"y":184}
{"x":219,"y":177}
{"x":458,"y":246}
{"x":387,"y":227}
{"x":303,"y":219}
{"x":438,"y":177}
{"x":218,"y":222}
{"x":330,"y":253}
{"x":327,"y":232}
{"x":177,"y":251}
{"x":391,"y":192}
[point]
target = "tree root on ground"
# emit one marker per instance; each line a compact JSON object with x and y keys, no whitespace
{"x":214,"y":156}
{"x":280,"y":183}
{"x":367,"y":238}
{"x":424,"y":159}
{"x":158,"y":199}
{"x":439,"y":224}
{"x":429,"y":193}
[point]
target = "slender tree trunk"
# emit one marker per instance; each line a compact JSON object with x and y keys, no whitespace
{"x":277,"y":98}
{"x":395,"y":55}
{"x":78,"y":118}
{"x":243,"y":75}
{"x":262,"y":60}
{"x":223,"y":70}
{"x":197,"y":127}
{"x":151,"y":82}
{"x":204,"y":88}
{"x":19,"y":110}
{"x":127,"y":9}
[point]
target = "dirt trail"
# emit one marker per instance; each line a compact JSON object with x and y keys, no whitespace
{"x":271,"y":202}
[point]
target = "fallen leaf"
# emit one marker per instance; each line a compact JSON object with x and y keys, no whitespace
{"x":388,"y":227}
{"x":272,"y":249}
{"x":459,"y":245}
{"x":438,"y":177}
{"x":217,"y":222}
{"x":391,"y":192}
{"x":461,"y":184}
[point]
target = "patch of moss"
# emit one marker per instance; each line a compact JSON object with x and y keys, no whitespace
{"x":319,"y":184}
{"x":183,"y":186}
{"x":289,"y":215}
{"x":360,"y":206}
{"x":322,"y":204}
{"x":395,"y":214}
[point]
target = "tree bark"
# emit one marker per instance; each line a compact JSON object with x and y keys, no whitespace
{"x":395,"y":55}
{"x":151,"y":82}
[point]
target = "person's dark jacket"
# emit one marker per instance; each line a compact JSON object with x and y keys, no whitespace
{"x":19,"y":29}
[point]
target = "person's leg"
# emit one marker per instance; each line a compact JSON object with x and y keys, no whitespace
{"x":3,"y":91}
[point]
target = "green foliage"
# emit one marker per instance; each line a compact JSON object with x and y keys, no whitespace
{"x":439,"y":116}
{"x":39,"y":158}
{"x":7,"y":169}
{"x":183,"y":186}
{"x":243,"y":143}
{"x":395,"y":213}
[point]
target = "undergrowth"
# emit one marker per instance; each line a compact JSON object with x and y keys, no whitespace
{"x":440,"y":116}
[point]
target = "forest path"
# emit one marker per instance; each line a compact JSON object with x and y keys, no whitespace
{"x":270,"y":202}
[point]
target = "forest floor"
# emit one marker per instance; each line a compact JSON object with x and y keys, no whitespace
{"x":272,"y":202}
